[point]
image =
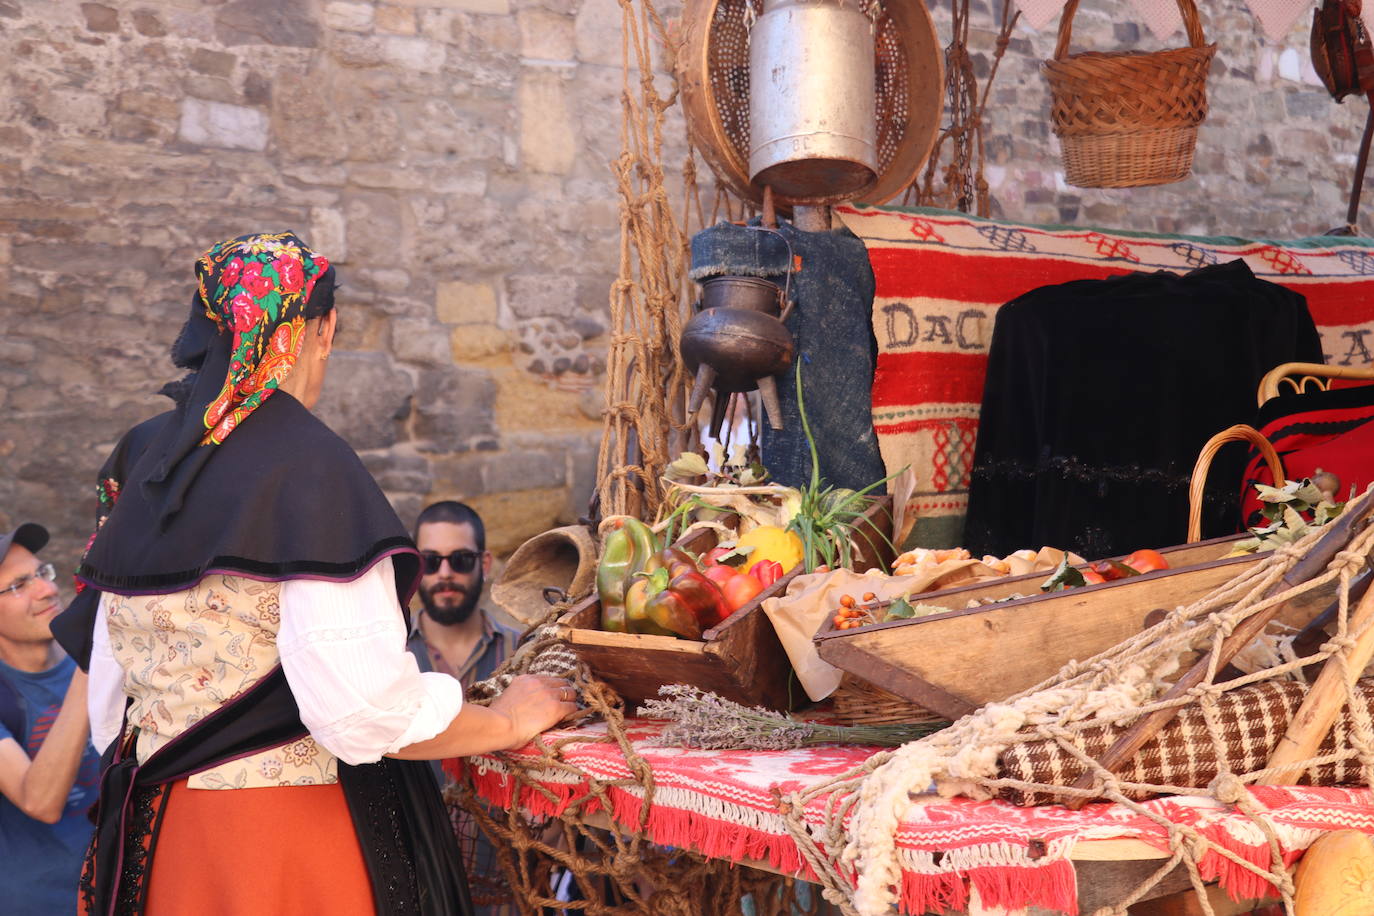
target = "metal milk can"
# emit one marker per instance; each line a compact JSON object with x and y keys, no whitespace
{"x":812,"y":127}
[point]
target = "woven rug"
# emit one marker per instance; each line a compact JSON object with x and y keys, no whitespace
{"x":940,"y":277}
{"x":722,"y":804}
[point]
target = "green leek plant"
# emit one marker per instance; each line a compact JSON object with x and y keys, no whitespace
{"x":829,"y":520}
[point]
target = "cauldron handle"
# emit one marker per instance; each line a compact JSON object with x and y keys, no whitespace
{"x":791,"y":261}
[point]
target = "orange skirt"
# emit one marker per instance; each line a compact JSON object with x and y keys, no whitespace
{"x":245,"y":852}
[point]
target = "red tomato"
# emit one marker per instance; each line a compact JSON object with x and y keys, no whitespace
{"x":712,"y":556}
{"x":1092,"y":576}
{"x":740,"y":590}
{"x":719,"y":573}
{"x":1145,"y":560}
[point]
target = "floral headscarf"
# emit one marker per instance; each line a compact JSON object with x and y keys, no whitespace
{"x":258,"y":287}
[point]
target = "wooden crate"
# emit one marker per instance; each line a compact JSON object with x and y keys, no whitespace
{"x":955,"y":662}
{"x":740,"y":658}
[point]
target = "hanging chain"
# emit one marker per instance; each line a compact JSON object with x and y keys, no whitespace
{"x":963,"y":185}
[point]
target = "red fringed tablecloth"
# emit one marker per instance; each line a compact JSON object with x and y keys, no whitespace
{"x":723,"y":805}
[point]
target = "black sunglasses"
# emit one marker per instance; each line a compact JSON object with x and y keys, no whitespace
{"x":460,"y":561}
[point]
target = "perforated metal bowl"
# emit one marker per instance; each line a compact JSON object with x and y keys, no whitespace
{"x":713,"y":75}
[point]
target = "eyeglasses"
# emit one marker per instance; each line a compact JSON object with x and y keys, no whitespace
{"x":460,"y":561}
{"x":44,"y":572}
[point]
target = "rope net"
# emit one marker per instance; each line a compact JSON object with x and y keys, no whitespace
{"x":1131,"y":681}
{"x":646,"y":383}
{"x":603,"y":872}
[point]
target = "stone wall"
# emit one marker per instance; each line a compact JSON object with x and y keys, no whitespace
{"x":451,"y":157}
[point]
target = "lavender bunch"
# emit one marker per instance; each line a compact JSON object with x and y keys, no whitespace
{"x":703,"y":719}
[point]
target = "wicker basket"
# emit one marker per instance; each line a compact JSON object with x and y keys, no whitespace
{"x":1238,"y":433}
{"x":1127,"y":119}
{"x":857,"y":702}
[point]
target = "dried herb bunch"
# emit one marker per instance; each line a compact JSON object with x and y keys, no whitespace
{"x":706,"y":720}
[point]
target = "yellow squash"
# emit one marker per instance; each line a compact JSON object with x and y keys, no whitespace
{"x":772,"y":543}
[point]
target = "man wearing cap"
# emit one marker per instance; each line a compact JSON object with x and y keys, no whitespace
{"x":48,"y":769}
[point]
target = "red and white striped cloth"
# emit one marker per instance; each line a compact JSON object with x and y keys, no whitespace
{"x":722,"y":804}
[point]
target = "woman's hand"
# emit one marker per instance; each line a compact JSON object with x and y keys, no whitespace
{"x":535,"y":703}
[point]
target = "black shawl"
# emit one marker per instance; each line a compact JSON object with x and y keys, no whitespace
{"x":283,"y":497}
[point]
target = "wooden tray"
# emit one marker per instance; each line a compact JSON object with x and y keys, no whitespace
{"x":954,"y":663}
{"x":740,"y":658}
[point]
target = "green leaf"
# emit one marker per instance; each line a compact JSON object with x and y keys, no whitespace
{"x":899,"y":609}
{"x":1123,"y":568}
{"x":658,"y":581}
{"x":1065,"y":576}
{"x":736,"y":553}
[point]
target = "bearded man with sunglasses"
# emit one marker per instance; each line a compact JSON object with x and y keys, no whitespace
{"x":453,"y":634}
{"x":48,"y":769}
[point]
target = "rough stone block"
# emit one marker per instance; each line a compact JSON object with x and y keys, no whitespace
{"x":150,"y":104}
{"x":212,"y":63}
{"x":471,"y":342}
{"x":356,"y":50}
{"x":328,"y":234}
{"x":396,"y":20}
{"x":348,"y":17}
{"x":100,"y":18}
{"x":548,"y":141}
{"x":524,"y":470}
{"x":373,"y":220}
{"x":422,"y":55}
{"x":416,"y":340}
{"x":365,"y":399}
{"x":398,"y":472}
{"x":545,"y":35}
{"x":498,"y":34}
{"x":456,"y":476}
{"x":539,"y":295}
{"x":514,"y":517}
{"x":83,"y":110}
{"x":457,"y":302}
{"x":206,"y":123}
{"x":267,"y":22}
{"x":371,"y":127}
{"x":525,"y":402}
{"x":491,"y":7}
{"x":597,"y":32}
{"x":148,"y":24}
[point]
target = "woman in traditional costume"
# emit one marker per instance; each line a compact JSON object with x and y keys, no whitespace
{"x":265,"y":724}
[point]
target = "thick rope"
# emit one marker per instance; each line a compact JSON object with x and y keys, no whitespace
{"x":859,"y":865}
{"x":646,"y":384}
{"x":615,"y":873}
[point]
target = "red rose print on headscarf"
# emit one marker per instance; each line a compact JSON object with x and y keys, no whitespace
{"x":253,"y":280}
{"x":237,"y":279}
{"x":232,"y":271}
{"x":246,"y":312}
{"x":290,"y":273}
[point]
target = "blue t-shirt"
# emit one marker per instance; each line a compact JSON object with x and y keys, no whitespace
{"x":43,"y":861}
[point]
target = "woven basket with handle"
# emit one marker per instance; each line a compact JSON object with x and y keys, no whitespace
{"x":1128,"y":119}
{"x":1238,"y":433}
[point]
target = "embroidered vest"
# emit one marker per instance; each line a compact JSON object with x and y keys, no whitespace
{"x":187,"y":653}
